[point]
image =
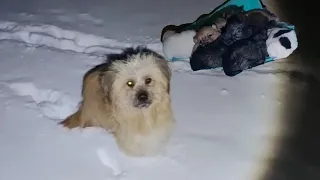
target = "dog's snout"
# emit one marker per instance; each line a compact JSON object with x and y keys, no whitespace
{"x":143,"y":96}
{"x":142,"y":99}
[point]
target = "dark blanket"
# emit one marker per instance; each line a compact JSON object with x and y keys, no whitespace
{"x":241,"y":46}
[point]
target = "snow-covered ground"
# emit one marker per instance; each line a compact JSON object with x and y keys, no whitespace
{"x":225,"y":125}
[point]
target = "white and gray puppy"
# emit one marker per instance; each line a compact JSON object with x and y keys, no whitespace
{"x":129,"y":96}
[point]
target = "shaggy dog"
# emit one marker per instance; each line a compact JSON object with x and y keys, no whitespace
{"x":129,"y":96}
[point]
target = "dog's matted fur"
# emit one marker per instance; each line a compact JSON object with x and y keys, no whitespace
{"x":129,"y":96}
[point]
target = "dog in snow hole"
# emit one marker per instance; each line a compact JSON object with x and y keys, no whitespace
{"x":129,"y":96}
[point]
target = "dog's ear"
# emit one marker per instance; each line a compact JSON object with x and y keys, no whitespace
{"x":165,"y":70}
{"x":106,"y":80}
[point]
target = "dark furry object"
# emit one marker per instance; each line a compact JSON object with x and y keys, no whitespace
{"x":130,"y":51}
{"x":240,"y":27}
{"x":240,"y":46}
{"x":245,"y":54}
{"x":235,"y":29}
{"x":208,"y":56}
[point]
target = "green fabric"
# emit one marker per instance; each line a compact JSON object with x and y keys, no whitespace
{"x":248,"y":4}
{"x":230,"y":5}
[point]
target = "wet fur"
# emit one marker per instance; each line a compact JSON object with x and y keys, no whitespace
{"x":107,"y":101}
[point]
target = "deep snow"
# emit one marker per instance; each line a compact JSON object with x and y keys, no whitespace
{"x":225,"y":125}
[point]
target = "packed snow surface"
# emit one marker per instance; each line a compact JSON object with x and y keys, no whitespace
{"x":224,"y":124}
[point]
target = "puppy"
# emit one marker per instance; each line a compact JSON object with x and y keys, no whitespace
{"x":129,"y":96}
{"x":205,"y":35}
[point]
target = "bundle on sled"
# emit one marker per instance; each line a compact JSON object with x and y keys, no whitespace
{"x":238,"y":35}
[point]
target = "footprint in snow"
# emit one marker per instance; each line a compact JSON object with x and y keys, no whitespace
{"x":51,"y":103}
{"x":224,"y":92}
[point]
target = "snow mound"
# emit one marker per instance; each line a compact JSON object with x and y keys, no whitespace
{"x":108,"y":161}
{"x":55,"y":37}
{"x":51,"y":103}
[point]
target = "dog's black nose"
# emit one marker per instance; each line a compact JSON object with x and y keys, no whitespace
{"x":143,"y":96}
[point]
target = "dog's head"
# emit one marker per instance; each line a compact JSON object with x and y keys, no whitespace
{"x":206,"y":35}
{"x":236,"y":29}
{"x":136,"y":78}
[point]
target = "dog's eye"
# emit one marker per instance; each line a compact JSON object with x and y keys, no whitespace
{"x":148,"y":80}
{"x":130,"y":83}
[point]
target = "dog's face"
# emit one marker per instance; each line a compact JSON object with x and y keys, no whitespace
{"x":206,"y":35}
{"x":235,"y":29}
{"x":137,"y":83}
